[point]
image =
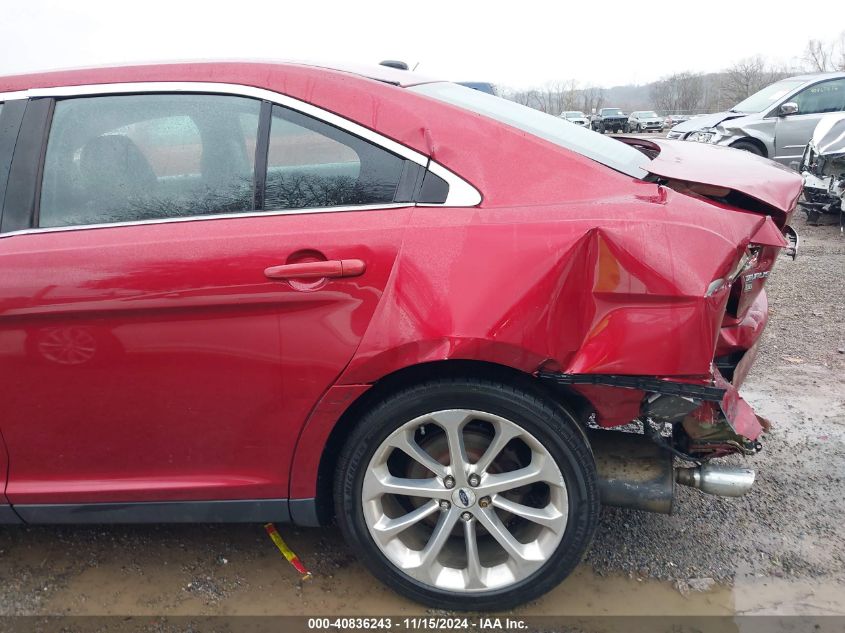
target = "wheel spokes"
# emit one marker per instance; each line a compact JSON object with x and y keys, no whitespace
{"x":474,"y":568}
{"x":387,"y":529}
{"x":452,"y":423}
{"x":513,"y":548}
{"x":438,"y":539}
{"x":383,"y":483}
{"x":406,"y":443}
{"x":535,"y":472}
{"x":549,"y":516}
{"x":504,"y":434}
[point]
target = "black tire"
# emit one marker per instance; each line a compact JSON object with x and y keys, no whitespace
{"x":549,"y":423}
{"x":748,"y":146}
{"x":601,"y":128}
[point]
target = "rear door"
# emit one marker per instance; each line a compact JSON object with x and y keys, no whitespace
{"x":159,"y":346}
{"x":793,"y":132}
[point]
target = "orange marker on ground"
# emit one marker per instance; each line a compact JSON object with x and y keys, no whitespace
{"x":292,"y":558}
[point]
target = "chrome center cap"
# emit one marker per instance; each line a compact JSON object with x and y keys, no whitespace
{"x":463,"y":497}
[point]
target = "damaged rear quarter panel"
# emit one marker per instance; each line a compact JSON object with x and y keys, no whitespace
{"x":614,"y":285}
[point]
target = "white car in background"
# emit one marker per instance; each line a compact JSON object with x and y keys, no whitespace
{"x":674,"y":119}
{"x":576,"y":117}
{"x":645,"y":121}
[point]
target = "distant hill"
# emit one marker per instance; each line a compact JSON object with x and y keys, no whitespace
{"x":709,"y":92}
{"x":629,"y":97}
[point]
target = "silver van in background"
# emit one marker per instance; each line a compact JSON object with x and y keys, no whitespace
{"x":776,"y":122}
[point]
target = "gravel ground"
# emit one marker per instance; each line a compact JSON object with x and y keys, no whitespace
{"x":788,"y":530}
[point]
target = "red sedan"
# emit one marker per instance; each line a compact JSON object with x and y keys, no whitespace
{"x":271,"y":292}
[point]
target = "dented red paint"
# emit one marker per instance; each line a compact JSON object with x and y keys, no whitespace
{"x":222,"y":384}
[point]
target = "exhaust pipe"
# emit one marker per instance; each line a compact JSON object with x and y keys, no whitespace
{"x":715,"y":479}
{"x":634,"y":472}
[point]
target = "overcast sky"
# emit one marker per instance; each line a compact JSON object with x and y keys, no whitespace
{"x":518,"y":43}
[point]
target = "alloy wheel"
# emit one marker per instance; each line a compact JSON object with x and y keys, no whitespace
{"x":464,"y":500}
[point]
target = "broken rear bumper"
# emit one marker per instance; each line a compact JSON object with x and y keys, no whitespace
{"x":708,"y":416}
{"x":736,"y":348}
{"x":714,"y":417}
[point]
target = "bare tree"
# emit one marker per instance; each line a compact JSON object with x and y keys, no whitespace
{"x":823,"y":57}
{"x":681,"y":92}
{"x":572,"y":99}
{"x":555,"y":97}
{"x":592,"y":98}
{"x":840,"y":59}
{"x":530,"y":98}
{"x":747,"y":76}
{"x":558,"y":96}
{"x":818,"y":56}
{"x":518,"y":96}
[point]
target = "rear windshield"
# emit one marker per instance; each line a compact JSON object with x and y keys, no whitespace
{"x":600,"y":148}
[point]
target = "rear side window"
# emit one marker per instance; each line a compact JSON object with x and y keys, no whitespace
{"x":313,"y":164}
{"x":141,"y":157}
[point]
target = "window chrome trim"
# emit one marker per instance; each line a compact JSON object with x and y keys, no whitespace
{"x":210,"y":216}
{"x":461,"y":193}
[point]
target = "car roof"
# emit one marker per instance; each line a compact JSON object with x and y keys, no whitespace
{"x":812,"y":76}
{"x":203,"y":70}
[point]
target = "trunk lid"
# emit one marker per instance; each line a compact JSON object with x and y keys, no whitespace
{"x":775,"y":188}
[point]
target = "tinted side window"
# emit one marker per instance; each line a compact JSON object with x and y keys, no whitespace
{"x":139,"y":157}
{"x":827,"y":96}
{"x":313,"y":164}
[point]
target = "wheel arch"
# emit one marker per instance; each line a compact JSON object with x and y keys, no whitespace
{"x":317,"y":476}
{"x":752,"y":141}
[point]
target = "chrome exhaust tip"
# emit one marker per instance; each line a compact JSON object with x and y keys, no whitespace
{"x":714,"y":479}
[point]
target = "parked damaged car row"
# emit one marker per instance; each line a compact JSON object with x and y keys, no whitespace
{"x":796,"y":121}
{"x":777,"y":122}
{"x":615,"y":120}
{"x":281,"y":292}
{"x":823,"y":168}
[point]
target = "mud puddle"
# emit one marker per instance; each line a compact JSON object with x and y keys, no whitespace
{"x":256,"y":581}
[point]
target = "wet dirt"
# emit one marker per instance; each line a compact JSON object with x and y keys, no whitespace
{"x":779,"y":550}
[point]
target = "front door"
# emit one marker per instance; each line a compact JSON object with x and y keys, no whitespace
{"x":793,"y":132}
